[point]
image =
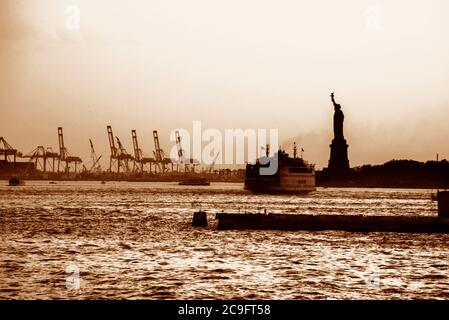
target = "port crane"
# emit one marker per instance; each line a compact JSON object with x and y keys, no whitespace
{"x":139,"y":159}
{"x":181,"y":155}
{"x":44,"y":159}
{"x":159,"y":156}
{"x":52,"y":157}
{"x":65,"y":159}
{"x":8,"y":151}
{"x":124,"y":156}
{"x":138,"y":154}
{"x":119,"y":158}
{"x":114,"y":160}
{"x":96,"y":167}
{"x":39,"y":157}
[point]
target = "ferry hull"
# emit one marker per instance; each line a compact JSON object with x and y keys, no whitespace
{"x":270,"y":187}
{"x":283,"y":183}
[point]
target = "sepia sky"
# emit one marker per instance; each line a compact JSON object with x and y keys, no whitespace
{"x":160,"y":64}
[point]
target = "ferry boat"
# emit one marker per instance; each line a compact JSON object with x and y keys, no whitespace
{"x":293,"y":175}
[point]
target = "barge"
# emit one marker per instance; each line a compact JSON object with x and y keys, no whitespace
{"x":349,"y":223}
{"x":293,"y":222}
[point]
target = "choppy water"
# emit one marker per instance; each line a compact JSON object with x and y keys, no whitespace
{"x":134,"y":240}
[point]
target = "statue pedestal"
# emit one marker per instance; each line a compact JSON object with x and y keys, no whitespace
{"x":338,"y":161}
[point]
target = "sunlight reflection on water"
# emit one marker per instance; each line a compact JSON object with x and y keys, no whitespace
{"x":134,"y":240}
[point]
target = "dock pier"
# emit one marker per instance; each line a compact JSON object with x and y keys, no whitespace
{"x":350,"y":223}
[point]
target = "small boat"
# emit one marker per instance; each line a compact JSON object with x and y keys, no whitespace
{"x":194,"y":182}
{"x":16,"y":182}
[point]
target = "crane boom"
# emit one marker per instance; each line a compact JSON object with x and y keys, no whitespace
{"x":95,"y":158}
{"x":137,"y":151}
{"x":157,"y":147}
{"x":64,"y":156}
{"x":159,"y":155}
{"x":179,"y":147}
{"x":62,"y":149}
{"x":111,"y":142}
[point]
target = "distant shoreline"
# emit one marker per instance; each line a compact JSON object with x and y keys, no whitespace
{"x":335,"y":184}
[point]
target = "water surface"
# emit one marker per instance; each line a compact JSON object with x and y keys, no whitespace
{"x":134,"y":240}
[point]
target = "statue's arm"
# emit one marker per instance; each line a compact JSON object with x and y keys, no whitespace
{"x":333,"y":100}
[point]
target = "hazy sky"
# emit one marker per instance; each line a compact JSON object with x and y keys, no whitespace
{"x":160,"y":64}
